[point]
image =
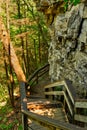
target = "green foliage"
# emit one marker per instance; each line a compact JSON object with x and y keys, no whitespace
{"x":6,"y":127}
{"x":74,"y":2}
{"x":32,"y":48}
{"x":83,"y":111}
{"x":20,"y":127}
{"x":71,"y":2}
{"x":5,"y":109}
{"x":37,"y":38}
{"x":58,"y":88}
{"x":9,"y":126}
{"x":8,"y":123}
{"x":3,"y":93}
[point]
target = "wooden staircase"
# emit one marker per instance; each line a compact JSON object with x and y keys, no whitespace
{"x":46,"y":112}
{"x":45,"y":108}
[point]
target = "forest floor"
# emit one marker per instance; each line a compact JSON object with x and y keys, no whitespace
{"x":10,"y":117}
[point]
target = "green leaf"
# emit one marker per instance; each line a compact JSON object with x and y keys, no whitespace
{"x":65,"y":0}
{"x":10,"y":126}
{"x":20,"y":127}
{"x":0,"y":118}
{"x":75,"y":2}
{"x":3,"y":126}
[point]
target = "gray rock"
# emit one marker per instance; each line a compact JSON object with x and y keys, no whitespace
{"x":83,"y":35}
{"x":85,"y":12}
{"x":68,"y":48}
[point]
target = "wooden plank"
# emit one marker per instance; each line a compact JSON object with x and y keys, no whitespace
{"x":81,"y":100}
{"x":80,"y":118}
{"x":69,"y":106}
{"x":54,"y":84}
{"x":62,"y":83}
{"x":54,"y":93}
{"x":65,"y":96}
{"x":69,"y":92}
{"x":37,"y":72}
{"x":71,"y":88}
{"x":80,"y":104}
{"x":48,"y":122}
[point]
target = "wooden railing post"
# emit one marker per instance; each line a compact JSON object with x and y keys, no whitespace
{"x":24,"y":122}
{"x":23,"y":105}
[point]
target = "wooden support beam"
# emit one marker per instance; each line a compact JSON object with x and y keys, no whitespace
{"x":58,"y":93}
{"x":81,"y":104}
{"x":80,"y":118}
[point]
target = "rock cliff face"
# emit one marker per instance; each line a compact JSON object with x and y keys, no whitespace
{"x":68,"y":47}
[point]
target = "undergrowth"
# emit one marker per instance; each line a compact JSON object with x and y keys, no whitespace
{"x":10,"y":118}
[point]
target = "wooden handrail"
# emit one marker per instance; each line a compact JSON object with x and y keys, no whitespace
{"x":37,"y":74}
{"x":71,"y":89}
{"x":69,"y":86}
{"x":66,"y":83}
{"x":49,"y":123}
{"x":44,"y":121}
{"x":70,"y":97}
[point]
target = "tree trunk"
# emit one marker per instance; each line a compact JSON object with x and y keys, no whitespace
{"x":5,"y":38}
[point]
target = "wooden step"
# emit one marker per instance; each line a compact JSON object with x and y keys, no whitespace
{"x":46,"y":108}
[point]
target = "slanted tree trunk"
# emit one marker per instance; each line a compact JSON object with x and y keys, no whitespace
{"x":11,"y":85}
{"x":5,"y":39}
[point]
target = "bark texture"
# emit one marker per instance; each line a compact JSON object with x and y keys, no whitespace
{"x":5,"y":39}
